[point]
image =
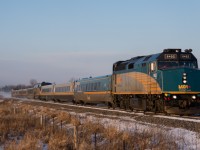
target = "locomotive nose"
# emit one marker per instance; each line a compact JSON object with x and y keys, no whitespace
{"x":181,"y":80}
{"x":190,"y":79}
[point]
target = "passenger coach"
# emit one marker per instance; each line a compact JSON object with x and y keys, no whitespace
{"x":94,"y":90}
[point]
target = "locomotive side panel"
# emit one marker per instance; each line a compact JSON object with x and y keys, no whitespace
{"x":136,"y":83}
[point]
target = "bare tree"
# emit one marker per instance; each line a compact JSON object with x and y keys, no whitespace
{"x":33,"y":82}
{"x":72,"y":79}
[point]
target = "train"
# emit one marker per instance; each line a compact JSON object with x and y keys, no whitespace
{"x":166,"y":82}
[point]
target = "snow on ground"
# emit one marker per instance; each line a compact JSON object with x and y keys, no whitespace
{"x":178,"y":118}
{"x":186,"y":140}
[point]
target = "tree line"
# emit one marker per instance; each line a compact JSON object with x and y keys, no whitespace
{"x":8,"y":88}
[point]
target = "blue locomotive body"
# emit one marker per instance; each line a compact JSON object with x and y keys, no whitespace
{"x":164,"y":82}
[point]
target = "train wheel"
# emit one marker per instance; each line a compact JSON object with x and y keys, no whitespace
{"x":116,"y":102}
{"x":149,"y":105}
{"x":160,"y":105}
{"x":121,"y":104}
{"x":82,"y":103}
{"x":131,"y":104}
{"x":131,"y":107}
{"x":182,"y":104}
{"x":74,"y":102}
{"x":127,"y":103}
{"x":113,"y":105}
{"x":109,"y":105}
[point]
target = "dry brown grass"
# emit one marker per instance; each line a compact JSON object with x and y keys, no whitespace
{"x":75,"y":121}
{"x":21,"y":129}
{"x":30,"y":141}
{"x":60,"y":140}
{"x":63,"y":116}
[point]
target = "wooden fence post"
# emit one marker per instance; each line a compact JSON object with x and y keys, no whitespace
{"x":61,"y":124}
{"x":124,"y":145}
{"x":95,"y":140}
{"x":41,"y":120}
{"x":45,"y":123}
{"x":53,"y":124}
{"x":75,"y":138}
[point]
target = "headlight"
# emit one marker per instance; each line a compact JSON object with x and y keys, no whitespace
{"x":194,"y":97}
{"x":174,"y":97}
{"x":184,"y":78}
{"x":184,"y":81}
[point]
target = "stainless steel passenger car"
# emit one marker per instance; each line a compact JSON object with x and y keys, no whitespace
{"x":47,"y":92}
{"x":57,"y":92}
{"x":21,"y":93}
{"x":64,"y":92}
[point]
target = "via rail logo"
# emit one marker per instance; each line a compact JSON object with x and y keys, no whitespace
{"x":184,"y":87}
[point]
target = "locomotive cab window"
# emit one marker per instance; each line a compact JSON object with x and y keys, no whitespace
{"x":167,"y":64}
{"x":189,"y":64}
{"x":153,"y":66}
{"x":175,"y":64}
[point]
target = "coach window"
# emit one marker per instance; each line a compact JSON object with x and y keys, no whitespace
{"x":98,"y":86}
{"x":80,"y":87}
{"x":89,"y":87}
{"x":86,"y":88}
{"x":95,"y":86}
{"x":83,"y":87}
{"x":92,"y":86}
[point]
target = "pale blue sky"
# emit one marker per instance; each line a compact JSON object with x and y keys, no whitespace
{"x":53,"y":41}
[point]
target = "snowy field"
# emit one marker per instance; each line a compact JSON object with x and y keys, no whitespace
{"x":185,"y":139}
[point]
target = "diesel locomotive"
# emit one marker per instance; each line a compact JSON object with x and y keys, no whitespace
{"x":165,"y":82}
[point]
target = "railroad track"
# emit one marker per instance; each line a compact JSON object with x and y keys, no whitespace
{"x":104,"y":110}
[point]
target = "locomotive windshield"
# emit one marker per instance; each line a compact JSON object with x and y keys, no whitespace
{"x":175,"y":64}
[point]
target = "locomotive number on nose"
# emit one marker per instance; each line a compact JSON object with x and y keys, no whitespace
{"x":170,"y":56}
